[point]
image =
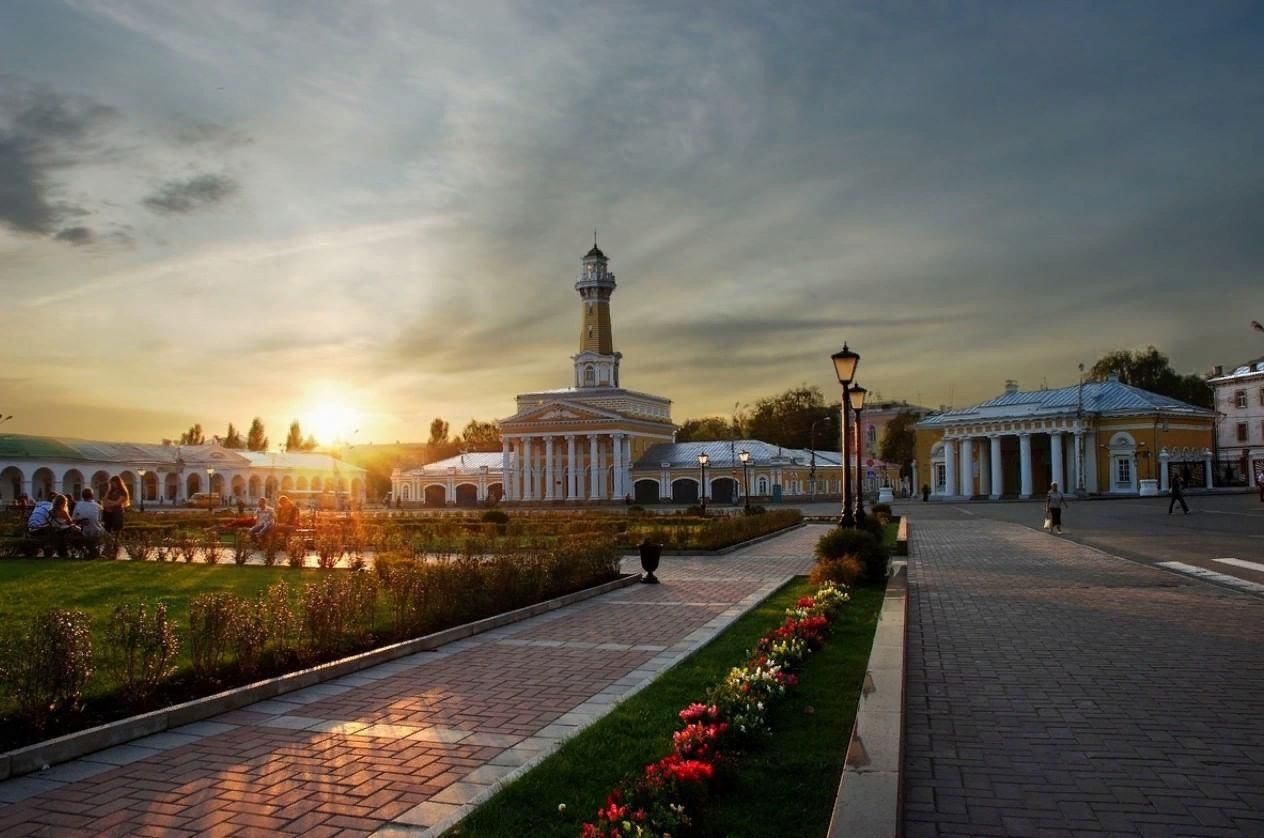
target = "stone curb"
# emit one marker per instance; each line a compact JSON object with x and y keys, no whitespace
{"x":902,"y":537}
{"x":74,"y":745}
{"x":869,"y":802}
{"x":586,"y":714}
{"x":732,"y":548}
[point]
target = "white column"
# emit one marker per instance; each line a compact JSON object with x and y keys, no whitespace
{"x":998,"y":472}
{"x":916,"y":488}
{"x":1090,"y":462}
{"x":1163,"y":479}
{"x":1207,"y":466}
{"x":1055,"y":455}
{"x":528,"y":470}
{"x":967,"y":466}
{"x":1132,"y":472}
{"x":616,"y":470}
{"x":594,"y":474}
{"x":1081,"y":461}
{"x":549,"y":494}
{"x":572,"y":491}
{"x":627,"y":464}
{"x":1024,"y":465}
{"x":506,"y":468}
{"x":950,"y":467}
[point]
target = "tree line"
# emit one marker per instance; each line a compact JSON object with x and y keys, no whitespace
{"x":256,"y":438}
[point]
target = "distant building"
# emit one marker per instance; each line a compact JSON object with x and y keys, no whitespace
{"x":37,"y":466}
{"x":1240,"y":430}
{"x":873,"y":425}
{"x":1127,"y":440}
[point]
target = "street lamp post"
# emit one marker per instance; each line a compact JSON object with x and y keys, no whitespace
{"x":142,"y":472}
{"x":744,"y":456}
{"x":703,"y":459}
{"x":857,"y":398}
{"x":812,"y":449}
{"x":210,"y":497}
{"x":845,"y":363}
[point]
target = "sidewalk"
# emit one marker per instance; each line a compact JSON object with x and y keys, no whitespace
{"x":1056,"y":690}
{"x":411,"y":744}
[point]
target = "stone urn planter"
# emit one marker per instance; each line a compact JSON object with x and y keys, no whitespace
{"x":1149,"y":488}
{"x":885,"y":495}
{"x":650,"y":555}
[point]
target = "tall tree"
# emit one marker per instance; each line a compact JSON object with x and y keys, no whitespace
{"x":193,"y":436}
{"x":786,"y":419}
{"x":310,"y":443}
{"x":438,"y":432}
{"x":706,"y":429}
{"x":233,"y":438}
{"x":256,"y":437}
{"x":899,"y":442}
{"x":294,"y":439}
{"x":1151,"y":370}
{"x":480,"y":436}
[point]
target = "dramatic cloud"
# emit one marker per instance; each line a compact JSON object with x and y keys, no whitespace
{"x":185,"y":196}
{"x":42,"y":132}
{"x":75,"y":235}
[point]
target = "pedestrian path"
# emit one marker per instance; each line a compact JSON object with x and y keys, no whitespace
{"x":409,"y":745}
{"x":1056,"y":690}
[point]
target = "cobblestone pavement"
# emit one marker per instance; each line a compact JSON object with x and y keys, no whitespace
{"x":411,"y":744}
{"x":1056,"y":690}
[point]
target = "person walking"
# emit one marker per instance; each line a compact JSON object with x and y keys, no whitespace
{"x":1055,"y":502}
{"x":1177,"y":494}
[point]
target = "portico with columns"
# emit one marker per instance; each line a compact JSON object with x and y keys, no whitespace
{"x":1101,"y":437}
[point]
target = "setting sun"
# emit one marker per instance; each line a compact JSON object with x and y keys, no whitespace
{"x":330,"y":422}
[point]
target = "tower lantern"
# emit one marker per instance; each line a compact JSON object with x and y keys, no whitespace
{"x":597,"y":364}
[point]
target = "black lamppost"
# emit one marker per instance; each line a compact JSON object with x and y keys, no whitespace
{"x":812,"y":449}
{"x":703,"y":459}
{"x":744,"y":456}
{"x":142,"y":473}
{"x":210,"y":498}
{"x":857,"y":397}
{"x":845,"y":363}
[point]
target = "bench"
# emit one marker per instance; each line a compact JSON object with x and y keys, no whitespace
{"x":901,"y":537}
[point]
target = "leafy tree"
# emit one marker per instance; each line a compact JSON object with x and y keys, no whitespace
{"x":256,"y":437}
{"x":899,"y":442}
{"x":479,"y":436}
{"x":786,"y":419}
{"x":1151,"y":370}
{"x":294,"y":439}
{"x":193,"y":436}
{"x":233,"y":438}
{"x":707,"y":428}
{"x":310,"y":443}
{"x":438,"y":432}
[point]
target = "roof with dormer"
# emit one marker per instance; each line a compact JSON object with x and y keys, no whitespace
{"x":1099,"y":397}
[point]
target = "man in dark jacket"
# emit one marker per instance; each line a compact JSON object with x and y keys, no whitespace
{"x":1177,"y":494}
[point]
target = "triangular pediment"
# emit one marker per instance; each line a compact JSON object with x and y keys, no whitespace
{"x":562,"y":411}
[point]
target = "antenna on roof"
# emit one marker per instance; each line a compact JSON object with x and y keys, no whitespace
{"x":594,"y":237}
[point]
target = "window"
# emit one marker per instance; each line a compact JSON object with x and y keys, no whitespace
{"x":941,"y":476}
{"x":590,"y":377}
{"x":1123,"y":471}
{"x":872,"y":433}
{"x":1239,"y":398}
{"x":1242,"y":432}
{"x":763,"y":485}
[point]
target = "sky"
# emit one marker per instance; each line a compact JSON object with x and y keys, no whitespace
{"x":365,"y":215}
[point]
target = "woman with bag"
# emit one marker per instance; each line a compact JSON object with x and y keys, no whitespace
{"x":1055,"y":502}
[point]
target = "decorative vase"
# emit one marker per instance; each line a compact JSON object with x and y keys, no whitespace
{"x":650,"y":555}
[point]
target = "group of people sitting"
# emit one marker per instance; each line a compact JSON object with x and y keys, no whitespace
{"x":63,"y":523}
{"x":281,"y":521}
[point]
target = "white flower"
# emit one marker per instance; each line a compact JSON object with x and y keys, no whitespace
{"x":561,"y":807}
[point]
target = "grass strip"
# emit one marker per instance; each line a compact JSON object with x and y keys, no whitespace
{"x":639,"y":730}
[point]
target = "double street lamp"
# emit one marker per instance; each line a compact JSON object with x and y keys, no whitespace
{"x":744,"y":456}
{"x":857,"y":396}
{"x":142,"y":472}
{"x":845,"y":363}
{"x":703,"y":459}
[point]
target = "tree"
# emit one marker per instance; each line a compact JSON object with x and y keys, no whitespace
{"x":256,"y":438}
{"x":310,"y":443}
{"x":438,"y":432}
{"x":193,"y":436}
{"x":479,"y":436}
{"x":707,"y":428}
{"x":899,"y":443}
{"x":1151,"y":370}
{"x":233,"y":438}
{"x":294,"y":439}
{"x":786,"y":419}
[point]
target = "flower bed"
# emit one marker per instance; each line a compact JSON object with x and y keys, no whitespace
{"x":665,"y":797}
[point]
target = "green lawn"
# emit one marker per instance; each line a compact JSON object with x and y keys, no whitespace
{"x":784,"y":788}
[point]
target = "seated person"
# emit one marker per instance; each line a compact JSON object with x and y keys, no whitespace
{"x":264,"y":519}
{"x":39,"y":522}
{"x":87,"y":514}
{"x":63,"y":528}
{"x":286,"y":514}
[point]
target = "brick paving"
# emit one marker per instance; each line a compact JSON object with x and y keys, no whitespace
{"x":411,"y":744}
{"x":1055,"y":690}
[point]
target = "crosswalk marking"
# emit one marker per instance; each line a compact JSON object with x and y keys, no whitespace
{"x":1213,"y":576}
{"x":1243,"y":563}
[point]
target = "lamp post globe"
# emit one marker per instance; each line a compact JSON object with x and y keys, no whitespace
{"x":703,"y":459}
{"x":857,"y":399}
{"x":845,"y":364}
{"x":744,"y":456}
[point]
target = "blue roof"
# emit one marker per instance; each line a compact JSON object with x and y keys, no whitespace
{"x":725,"y":454}
{"x":1099,"y":397}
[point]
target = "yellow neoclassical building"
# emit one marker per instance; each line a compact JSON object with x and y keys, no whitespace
{"x":1104,"y":438}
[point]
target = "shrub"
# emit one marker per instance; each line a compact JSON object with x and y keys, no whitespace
{"x":211,"y":548}
{"x":636,"y":509}
{"x":187,"y":545}
{"x":857,"y":544}
{"x":46,"y":667}
{"x":495,"y":516}
{"x":211,"y":623}
{"x":844,"y":571}
{"x":696,"y":509}
{"x":141,"y":648}
{"x":338,"y":612}
{"x":249,"y":633}
{"x":241,"y":547}
{"x":139,"y":544}
{"x":880,"y":509}
{"x":757,"y":510}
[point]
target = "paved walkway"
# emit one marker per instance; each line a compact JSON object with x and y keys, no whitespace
{"x":411,"y":744}
{"x":1055,"y":690}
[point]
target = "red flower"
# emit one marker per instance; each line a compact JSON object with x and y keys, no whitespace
{"x":806,"y":602}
